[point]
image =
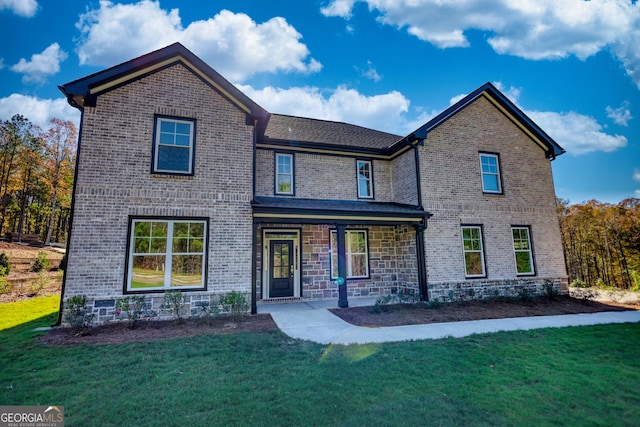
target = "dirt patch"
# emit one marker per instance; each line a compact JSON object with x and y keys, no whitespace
{"x":413,"y":314}
{"x":117,"y":333}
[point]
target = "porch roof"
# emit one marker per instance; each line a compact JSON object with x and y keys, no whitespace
{"x":312,"y":211}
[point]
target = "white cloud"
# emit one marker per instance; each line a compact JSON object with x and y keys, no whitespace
{"x":26,"y":8}
{"x":636,"y":175}
{"x":232,"y":43}
{"x":41,"y":65}
{"x":341,"y":8}
{"x":339,"y":104}
{"x":38,"y":111}
{"x":620,"y":115}
{"x":577,"y":133}
{"x":531,"y":29}
{"x":636,"y":193}
{"x":371,"y":73}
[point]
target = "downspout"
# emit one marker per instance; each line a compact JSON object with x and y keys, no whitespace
{"x":418,"y":178}
{"x":73,"y":204}
{"x":255,"y":147}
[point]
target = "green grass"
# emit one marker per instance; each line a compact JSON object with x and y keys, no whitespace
{"x":569,"y":377}
{"x":19,"y":312}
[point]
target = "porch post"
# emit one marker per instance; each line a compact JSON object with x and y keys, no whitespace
{"x":254,"y":264}
{"x":422,"y":261}
{"x":342,"y":267}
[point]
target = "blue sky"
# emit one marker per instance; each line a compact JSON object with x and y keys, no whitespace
{"x":572,"y":66}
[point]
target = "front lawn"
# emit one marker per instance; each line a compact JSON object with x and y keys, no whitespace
{"x":571,"y":376}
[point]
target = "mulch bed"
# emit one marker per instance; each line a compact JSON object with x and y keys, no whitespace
{"x":117,"y":333}
{"x":412,"y":314}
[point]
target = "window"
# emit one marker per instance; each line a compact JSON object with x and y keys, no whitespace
{"x":357,"y":254}
{"x":490,"y":169}
{"x":284,"y":173}
{"x":522,"y":249}
{"x":166,"y":254}
{"x":173,"y":146}
{"x":473,"y":251}
{"x":365,"y":181}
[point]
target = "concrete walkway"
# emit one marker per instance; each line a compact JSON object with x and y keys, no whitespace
{"x":313,"y":321}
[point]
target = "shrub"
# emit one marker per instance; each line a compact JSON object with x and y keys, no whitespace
{"x":235,"y":303}
{"x":577,"y":283}
{"x":174,"y":304}
{"x":77,"y":315}
{"x":132,"y":307}
{"x":41,"y":262}
{"x":63,"y":263}
{"x":4,"y":263}
{"x":39,"y":283}
{"x":550,"y":290}
{"x":5,"y":287}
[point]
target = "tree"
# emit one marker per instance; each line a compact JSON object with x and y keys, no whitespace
{"x":60,"y":143}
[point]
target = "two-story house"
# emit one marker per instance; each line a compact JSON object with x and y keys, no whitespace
{"x":183,"y":182}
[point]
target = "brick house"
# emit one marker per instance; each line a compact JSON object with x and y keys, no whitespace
{"x":183,"y":182}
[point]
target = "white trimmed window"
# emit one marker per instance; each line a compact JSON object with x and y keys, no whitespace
{"x":365,"y":179}
{"x":284,"y":173}
{"x":473,"y":251}
{"x":173,"y":146}
{"x":166,"y":254}
{"x":522,"y":249}
{"x":490,"y":171}
{"x":357,"y":254}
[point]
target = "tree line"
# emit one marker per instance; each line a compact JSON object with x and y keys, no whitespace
{"x":36,"y":178}
{"x":602,"y":243}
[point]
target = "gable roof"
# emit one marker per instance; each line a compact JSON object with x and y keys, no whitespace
{"x":84,"y":91}
{"x":508,"y":108}
{"x":305,"y":130}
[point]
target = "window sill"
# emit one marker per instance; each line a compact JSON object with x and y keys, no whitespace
{"x":171,"y":176}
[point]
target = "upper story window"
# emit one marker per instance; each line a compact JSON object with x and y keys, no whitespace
{"x":522,"y":249}
{"x":365,"y":179}
{"x":173,"y":146}
{"x":490,"y":170}
{"x":166,"y":254}
{"x":473,"y":250}
{"x":284,"y":169}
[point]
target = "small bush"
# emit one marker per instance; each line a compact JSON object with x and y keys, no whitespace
{"x":4,"y":263}
{"x":235,"y":303}
{"x":208,"y":312}
{"x":577,"y":283}
{"x":41,"y":262}
{"x":77,"y":315}
{"x":63,"y":263}
{"x":131,"y":307}
{"x":39,"y":283}
{"x":174,"y":304}
{"x":5,"y":287}
{"x":550,"y":290}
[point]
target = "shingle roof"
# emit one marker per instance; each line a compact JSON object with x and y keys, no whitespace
{"x":300,"y":129}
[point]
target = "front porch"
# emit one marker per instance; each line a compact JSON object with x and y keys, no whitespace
{"x":331,"y":255}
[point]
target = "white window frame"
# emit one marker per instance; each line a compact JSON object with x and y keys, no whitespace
{"x":333,"y":241}
{"x":167,"y":254}
{"x":290,"y":174}
{"x":491,"y":173}
{"x":518,"y":249}
{"x":473,"y":250}
{"x":368,"y":180}
{"x":157,"y":145}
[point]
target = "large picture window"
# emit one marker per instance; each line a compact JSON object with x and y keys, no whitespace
{"x":173,"y":146}
{"x":284,"y":173}
{"x":473,"y":251}
{"x":522,"y":249}
{"x":357,"y":254}
{"x":166,"y":254}
{"x":490,"y":171}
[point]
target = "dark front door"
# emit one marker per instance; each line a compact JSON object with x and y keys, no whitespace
{"x":280,"y":268}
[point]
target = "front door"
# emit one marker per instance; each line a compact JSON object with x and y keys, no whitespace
{"x":280,"y":268}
